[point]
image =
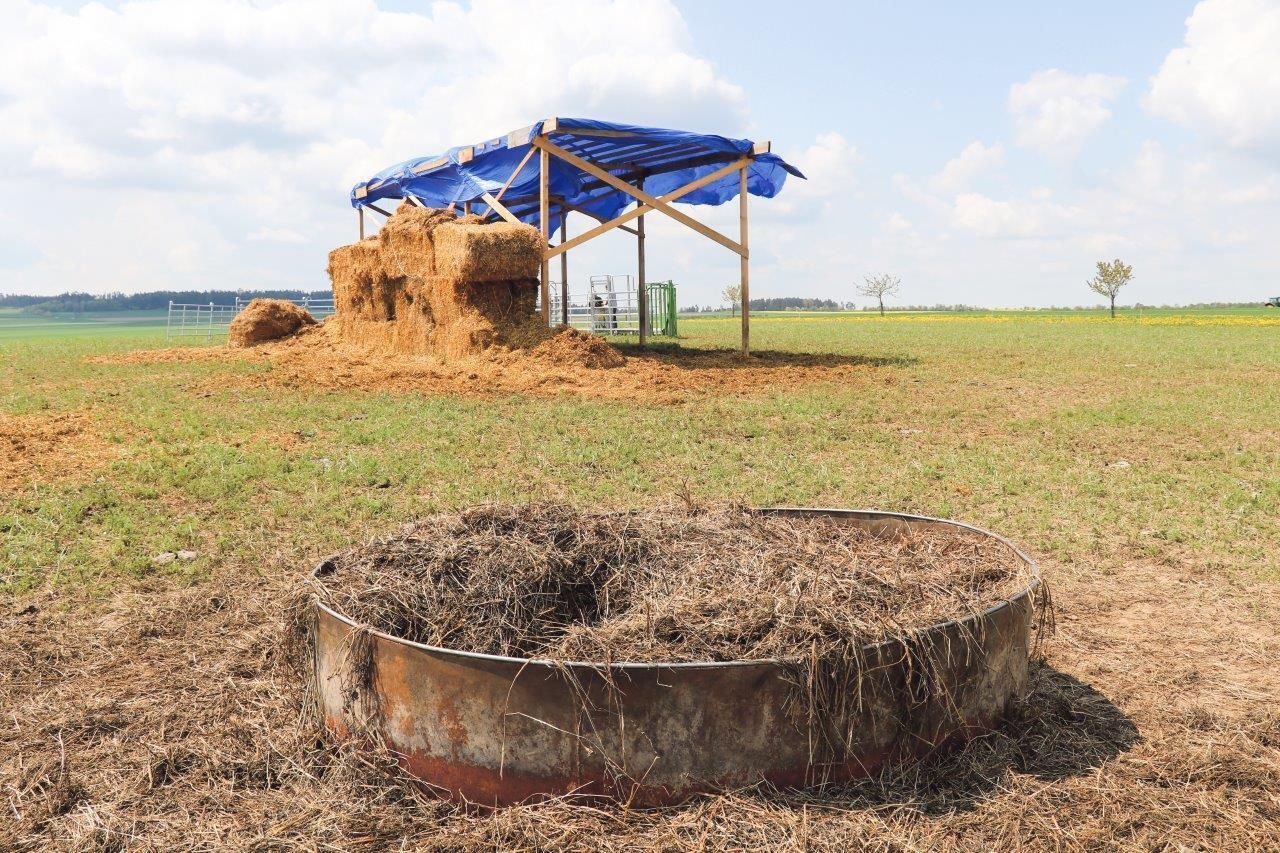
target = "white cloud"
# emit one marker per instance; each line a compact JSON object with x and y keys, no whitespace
{"x":277,"y":235}
{"x":897,"y":222}
{"x":1225,"y":80}
{"x":1055,"y":112}
{"x":974,"y":160}
{"x":260,"y":117}
{"x":989,"y":217}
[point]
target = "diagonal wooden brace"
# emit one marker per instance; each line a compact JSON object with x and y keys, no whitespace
{"x":641,"y":209}
{"x":647,"y":201}
{"x":500,"y":209}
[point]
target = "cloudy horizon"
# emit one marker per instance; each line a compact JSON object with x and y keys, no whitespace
{"x":988,"y":157}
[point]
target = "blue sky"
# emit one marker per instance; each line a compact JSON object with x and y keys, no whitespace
{"x":987,"y":153}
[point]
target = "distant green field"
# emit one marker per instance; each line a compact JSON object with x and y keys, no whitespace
{"x":17,"y":325}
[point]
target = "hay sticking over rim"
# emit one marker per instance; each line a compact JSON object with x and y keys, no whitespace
{"x":666,"y":584}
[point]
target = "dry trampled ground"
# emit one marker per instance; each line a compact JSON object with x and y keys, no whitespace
{"x":568,"y":364}
{"x":168,"y":719}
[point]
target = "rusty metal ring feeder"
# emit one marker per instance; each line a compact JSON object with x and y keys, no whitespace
{"x":497,"y":730}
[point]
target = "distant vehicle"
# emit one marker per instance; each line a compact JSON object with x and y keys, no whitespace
{"x":1273,"y":302}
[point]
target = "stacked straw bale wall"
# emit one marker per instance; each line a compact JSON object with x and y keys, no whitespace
{"x":430,"y":283}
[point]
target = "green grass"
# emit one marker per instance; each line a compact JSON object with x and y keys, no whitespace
{"x":1090,"y":442}
{"x":17,"y":325}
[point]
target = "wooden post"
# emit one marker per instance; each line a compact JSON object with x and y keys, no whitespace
{"x":544,"y":216}
{"x":742,"y":240}
{"x":466,"y":208}
{"x":564,"y":268}
{"x":642,"y":294}
{"x":360,"y":216}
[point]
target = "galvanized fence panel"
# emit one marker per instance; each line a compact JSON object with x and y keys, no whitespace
{"x":194,"y":323}
{"x":319,"y":308}
{"x":206,"y":323}
{"x":611,"y":306}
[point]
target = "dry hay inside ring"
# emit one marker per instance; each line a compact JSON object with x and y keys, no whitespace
{"x":667,"y":584}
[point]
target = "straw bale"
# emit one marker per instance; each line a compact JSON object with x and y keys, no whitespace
{"x":430,"y":283}
{"x":494,"y":252}
{"x":267,"y":320}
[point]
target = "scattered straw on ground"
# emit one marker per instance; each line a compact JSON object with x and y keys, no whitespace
{"x":670,"y":583}
{"x":168,"y":719}
{"x":49,"y":447}
{"x":570,"y":363}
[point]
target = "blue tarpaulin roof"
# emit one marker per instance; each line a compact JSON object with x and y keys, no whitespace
{"x":655,"y":159}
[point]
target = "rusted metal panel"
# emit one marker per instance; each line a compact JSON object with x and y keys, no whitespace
{"x":497,"y":730}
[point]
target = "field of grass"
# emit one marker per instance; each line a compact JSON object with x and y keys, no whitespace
{"x":17,"y":325}
{"x":1080,"y":437}
{"x":1118,"y":453}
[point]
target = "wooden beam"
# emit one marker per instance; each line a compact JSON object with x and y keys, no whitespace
{"x":639,"y":194}
{"x":516,"y":138}
{"x":523,"y":162}
{"x":588,"y":131}
{"x":670,"y":166}
{"x":544,"y":214}
{"x":564,"y":270}
{"x":429,"y":165}
{"x":641,"y":210}
{"x":564,"y":205}
{"x":360,"y":217}
{"x":373,"y":206}
{"x":642,"y":293}
{"x":743,"y":271}
{"x":500,"y":209}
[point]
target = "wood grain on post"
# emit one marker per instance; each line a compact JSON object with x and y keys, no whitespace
{"x":642,"y":303}
{"x":564,"y":269}
{"x":742,"y":240}
{"x":544,"y":215}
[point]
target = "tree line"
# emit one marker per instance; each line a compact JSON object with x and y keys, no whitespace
{"x":774,"y":303}
{"x":75,"y":303}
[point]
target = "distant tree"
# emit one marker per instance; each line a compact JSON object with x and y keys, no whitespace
{"x":733,"y":295}
{"x":1110,"y":278}
{"x":880,"y":286}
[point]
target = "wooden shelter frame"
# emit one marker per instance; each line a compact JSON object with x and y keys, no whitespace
{"x":603,"y":175}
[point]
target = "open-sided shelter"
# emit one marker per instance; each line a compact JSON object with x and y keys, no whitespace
{"x":611,"y":173}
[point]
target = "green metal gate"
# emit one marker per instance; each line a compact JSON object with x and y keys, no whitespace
{"x":661,"y":302}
